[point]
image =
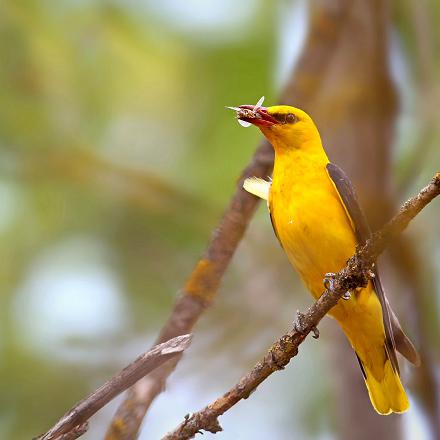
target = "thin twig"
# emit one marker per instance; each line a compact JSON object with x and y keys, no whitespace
{"x":74,"y":423}
{"x":355,"y":274}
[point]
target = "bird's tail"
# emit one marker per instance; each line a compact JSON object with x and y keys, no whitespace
{"x":386,"y":391}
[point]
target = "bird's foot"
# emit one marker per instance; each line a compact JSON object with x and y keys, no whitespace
{"x":315,"y":332}
{"x":300,"y":325}
{"x":329,"y":280}
{"x":346,"y":296}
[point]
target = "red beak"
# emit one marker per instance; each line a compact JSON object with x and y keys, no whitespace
{"x":256,"y":116}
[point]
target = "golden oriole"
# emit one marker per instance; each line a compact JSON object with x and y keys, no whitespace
{"x":317,"y":219}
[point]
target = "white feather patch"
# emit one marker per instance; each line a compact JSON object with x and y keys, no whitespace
{"x":258,"y":187}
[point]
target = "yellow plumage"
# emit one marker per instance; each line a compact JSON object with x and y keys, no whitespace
{"x":318,"y":236}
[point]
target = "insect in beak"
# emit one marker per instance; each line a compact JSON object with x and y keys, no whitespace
{"x":248,"y":115}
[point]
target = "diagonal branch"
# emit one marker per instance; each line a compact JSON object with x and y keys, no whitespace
{"x":355,"y":274}
{"x":74,"y":423}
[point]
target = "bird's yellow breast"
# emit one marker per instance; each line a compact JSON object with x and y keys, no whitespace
{"x":311,"y":223}
{"x":314,"y":231}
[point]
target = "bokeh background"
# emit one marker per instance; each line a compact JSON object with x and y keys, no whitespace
{"x":117,"y":160}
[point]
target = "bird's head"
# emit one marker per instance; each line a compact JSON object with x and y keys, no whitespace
{"x":285,"y":127}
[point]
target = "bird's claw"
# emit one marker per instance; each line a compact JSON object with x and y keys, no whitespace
{"x":329,"y":280}
{"x":346,"y":296}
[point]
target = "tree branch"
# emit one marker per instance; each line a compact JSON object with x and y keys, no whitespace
{"x":355,"y":274}
{"x":74,"y":423}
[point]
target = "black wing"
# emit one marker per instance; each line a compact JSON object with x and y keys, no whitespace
{"x":362,"y":230}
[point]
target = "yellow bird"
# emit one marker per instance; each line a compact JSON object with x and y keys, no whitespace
{"x":318,"y":222}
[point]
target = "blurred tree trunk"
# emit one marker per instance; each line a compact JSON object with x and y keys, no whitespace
{"x":354,"y":105}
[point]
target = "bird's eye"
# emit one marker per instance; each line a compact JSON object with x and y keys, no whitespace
{"x":285,"y":118}
{"x":291,"y":118}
